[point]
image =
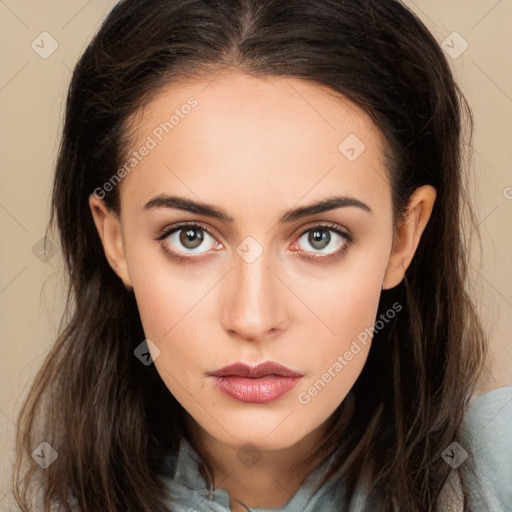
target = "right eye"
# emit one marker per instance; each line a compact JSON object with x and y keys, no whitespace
{"x":188,"y":239}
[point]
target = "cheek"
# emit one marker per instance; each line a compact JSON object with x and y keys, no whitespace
{"x":174,"y":303}
{"x":352,"y":305}
{"x":349,"y":306}
{"x":349,"y":299}
{"x":164,"y":291}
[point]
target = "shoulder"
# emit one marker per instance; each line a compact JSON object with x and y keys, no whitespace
{"x":486,"y":441}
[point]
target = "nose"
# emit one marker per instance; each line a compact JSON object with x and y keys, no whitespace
{"x":253,"y":308}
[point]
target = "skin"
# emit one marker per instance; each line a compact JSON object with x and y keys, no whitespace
{"x":256,"y":148}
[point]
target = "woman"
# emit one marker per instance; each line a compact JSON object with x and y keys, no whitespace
{"x":260,"y":208}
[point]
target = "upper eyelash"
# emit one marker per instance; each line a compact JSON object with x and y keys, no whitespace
{"x":331,"y":227}
{"x":166,"y":232}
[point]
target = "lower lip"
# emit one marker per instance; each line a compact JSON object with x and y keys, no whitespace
{"x":256,"y":391}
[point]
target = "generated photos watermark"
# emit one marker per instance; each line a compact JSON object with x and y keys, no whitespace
{"x":157,"y":135}
{"x":341,"y":361}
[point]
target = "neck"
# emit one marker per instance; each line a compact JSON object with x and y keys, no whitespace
{"x":254,"y":477}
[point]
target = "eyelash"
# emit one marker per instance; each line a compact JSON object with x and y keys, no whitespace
{"x":324,"y":227}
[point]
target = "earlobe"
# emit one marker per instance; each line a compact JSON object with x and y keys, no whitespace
{"x":409,"y":234}
{"x":109,"y":229}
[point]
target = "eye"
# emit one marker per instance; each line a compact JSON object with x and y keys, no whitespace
{"x":188,"y":240}
{"x":326,"y":240}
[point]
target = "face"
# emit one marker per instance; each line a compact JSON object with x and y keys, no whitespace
{"x":230,"y":262}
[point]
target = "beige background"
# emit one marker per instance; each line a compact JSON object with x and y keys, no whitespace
{"x":32,"y":94}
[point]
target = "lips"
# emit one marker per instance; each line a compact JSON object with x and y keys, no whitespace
{"x":262,"y":383}
{"x":255,"y":372}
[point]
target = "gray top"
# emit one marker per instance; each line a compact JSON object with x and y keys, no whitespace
{"x":486,"y":438}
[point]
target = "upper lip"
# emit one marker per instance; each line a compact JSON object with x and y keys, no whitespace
{"x":255,"y":372}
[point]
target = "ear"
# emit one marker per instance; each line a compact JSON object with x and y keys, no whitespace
{"x":109,"y":228}
{"x":410,"y":230}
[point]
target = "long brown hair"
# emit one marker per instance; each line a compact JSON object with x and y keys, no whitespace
{"x":111,"y":419}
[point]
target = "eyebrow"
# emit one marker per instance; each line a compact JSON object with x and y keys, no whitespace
{"x":182,"y":203}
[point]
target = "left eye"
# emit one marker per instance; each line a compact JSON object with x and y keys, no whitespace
{"x":321,"y":237}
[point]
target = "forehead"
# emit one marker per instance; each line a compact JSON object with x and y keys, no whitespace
{"x":236,"y":134}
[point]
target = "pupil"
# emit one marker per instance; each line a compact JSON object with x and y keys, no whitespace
{"x":191,"y":238}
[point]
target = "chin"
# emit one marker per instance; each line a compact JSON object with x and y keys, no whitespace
{"x":264,"y":436}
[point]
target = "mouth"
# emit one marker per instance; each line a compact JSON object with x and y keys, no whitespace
{"x":262,"y":383}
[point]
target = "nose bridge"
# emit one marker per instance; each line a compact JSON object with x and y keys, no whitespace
{"x":253,"y":308}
